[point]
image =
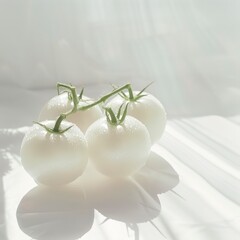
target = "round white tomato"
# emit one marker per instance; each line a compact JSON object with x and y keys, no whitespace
{"x":54,"y":158}
{"x":118,"y":150}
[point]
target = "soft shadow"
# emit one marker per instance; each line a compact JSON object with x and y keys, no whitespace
{"x":157,"y":176}
{"x":126,"y":201}
{"x":55,"y":214}
{"x":134,"y":200}
{"x":66,"y":213}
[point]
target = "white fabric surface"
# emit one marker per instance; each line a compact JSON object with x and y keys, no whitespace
{"x":204,"y":205}
{"x":191,"y":50}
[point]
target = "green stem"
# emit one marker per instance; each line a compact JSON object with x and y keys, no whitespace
{"x":76,"y":100}
{"x":116,"y":119}
{"x":113,"y":119}
{"x":75,"y":104}
{"x":73,"y":94}
{"x":131,"y":96}
{"x":104,"y":98}
{"x":58,"y":122}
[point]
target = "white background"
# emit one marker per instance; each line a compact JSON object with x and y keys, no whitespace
{"x":190,"y":48}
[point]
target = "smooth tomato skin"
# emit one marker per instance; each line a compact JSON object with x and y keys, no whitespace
{"x":147,"y":110}
{"x":118,"y":150}
{"x":61,"y":104}
{"x":54,"y":159}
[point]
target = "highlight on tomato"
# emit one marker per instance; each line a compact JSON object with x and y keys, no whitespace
{"x":118,"y":144}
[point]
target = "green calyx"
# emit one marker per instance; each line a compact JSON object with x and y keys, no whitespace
{"x":51,"y":130}
{"x":130,"y":95}
{"x":80,"y":97}
{"x":116,"y":119}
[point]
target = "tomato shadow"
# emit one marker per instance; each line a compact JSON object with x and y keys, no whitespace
{"x":62,"y":213}
{"x":55,"y":213}
{"x":157,"y":176}
{"x":135,"y":199}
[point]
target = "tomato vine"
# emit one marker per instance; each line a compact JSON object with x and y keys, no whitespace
{"x":71,"y":90}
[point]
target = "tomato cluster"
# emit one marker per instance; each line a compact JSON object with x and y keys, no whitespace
{"x":116,"y":134}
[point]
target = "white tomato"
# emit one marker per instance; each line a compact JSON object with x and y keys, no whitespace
{"x":146,"y":109}
{"x":54,"y":158}
{"x":62,"y":104}
{"x":120,"y":149}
